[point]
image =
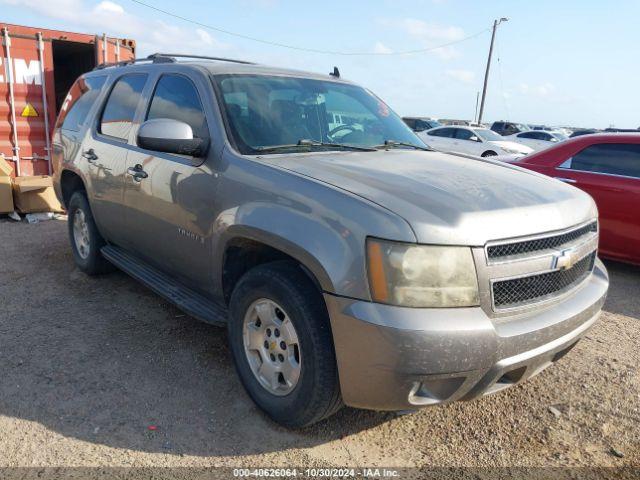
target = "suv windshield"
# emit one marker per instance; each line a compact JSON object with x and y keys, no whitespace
{"x":269,"y":111}
{"x":488,"y":135}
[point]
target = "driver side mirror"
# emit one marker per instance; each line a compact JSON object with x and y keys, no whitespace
{"x":171,"y":136}
{"x":474,"y":139}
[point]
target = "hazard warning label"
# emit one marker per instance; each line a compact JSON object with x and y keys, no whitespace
{"x":29,"y":111}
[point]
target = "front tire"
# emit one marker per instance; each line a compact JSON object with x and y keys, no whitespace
{"x":86,"y":241}
{"x":282,"y":345}
{"x":489,"y":153}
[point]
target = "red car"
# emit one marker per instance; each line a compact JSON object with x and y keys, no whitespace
{"x":607,"y":166}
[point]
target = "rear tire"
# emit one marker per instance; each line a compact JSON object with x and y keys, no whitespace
{"x":85,"y":239}
{"x":489,"y":153}
{"x":279,"y":296}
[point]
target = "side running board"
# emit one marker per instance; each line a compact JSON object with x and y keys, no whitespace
{"x":191,"y":302}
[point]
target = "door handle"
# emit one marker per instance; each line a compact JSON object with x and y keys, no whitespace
{"x":90,"y":155}
{"x":566,"y":180}
{"x":137,"y":173}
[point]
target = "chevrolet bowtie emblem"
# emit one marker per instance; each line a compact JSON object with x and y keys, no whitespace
{"x":565,"y":259}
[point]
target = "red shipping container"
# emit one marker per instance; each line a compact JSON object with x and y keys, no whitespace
{"x":37,"y":68}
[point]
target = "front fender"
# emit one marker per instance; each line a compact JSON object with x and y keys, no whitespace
{"x":330,"y":246}
{"x":294,"y":250}
{"x":322,"y":226}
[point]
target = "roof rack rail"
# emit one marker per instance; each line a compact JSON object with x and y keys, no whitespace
{"x":151,"y":58}
{"x":202,"y":57}
{"x":168,"y":58}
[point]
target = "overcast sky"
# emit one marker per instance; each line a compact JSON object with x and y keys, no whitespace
{"x":556,"y":62}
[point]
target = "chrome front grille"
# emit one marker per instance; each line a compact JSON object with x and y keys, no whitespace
{"x":518,"y":291}
{"x":502,"y":250}
{"x":524,"y":272}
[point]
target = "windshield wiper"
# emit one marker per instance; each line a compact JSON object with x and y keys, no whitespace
{"x":395,"y":144}
{"x":306,"y":143}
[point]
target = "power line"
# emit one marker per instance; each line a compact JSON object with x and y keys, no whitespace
{"x":303,"y":49}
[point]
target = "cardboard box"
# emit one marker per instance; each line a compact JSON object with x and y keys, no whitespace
{"x":35,"y":194}
{"x":6,"y":196}
{"x":5,"y":167}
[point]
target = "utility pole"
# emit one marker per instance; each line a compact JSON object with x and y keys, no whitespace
{"x":475,"y":113}
{"x":486,"y":74}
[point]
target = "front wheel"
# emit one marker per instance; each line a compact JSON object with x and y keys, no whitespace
{"x":489,"y":153}
{"x":282,"y":345}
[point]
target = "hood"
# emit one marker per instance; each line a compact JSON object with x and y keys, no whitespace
{"x":513,"y":146}
{"x":450,"y":199}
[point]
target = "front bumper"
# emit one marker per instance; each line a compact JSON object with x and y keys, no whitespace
{"x":397,"y":358}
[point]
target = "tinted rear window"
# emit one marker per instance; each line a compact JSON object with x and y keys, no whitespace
{"x":442,"y":132}
{"x":463,"y":134}
{"x":531,"y":135}
{"x":612,"y":158}
{"x":79,"y":101}
{"x":121,"y":106}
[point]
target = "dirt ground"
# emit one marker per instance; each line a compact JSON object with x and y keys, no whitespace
{"x":88,"y":365}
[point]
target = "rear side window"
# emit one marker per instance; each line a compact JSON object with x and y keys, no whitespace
{"x":79,"y":101}
{"x":611,"y":158}
{"x":443,"y":132}
{"x":531,"y":135}
{"x":120,"y":109}
{"x":176,"y":98}
{"x":463,"y":134}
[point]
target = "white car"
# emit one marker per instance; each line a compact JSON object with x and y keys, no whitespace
{"x":481,"y":142}
{"x":538,"y":139}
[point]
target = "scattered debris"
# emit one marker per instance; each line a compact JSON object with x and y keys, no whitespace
{"x":39,"y":217}
{"x":616,"y":453}
{"x":555,"y":411}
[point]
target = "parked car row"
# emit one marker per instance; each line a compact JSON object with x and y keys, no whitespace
{"x":473,"y":141}
{"x":506,"y":128}
{"x":606,"y":166}
{"x":504,"y":138}
{"x":537,"y":139}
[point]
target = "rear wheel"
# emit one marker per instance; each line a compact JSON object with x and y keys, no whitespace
{"x":489,"y":153}
{"x":282,"y":345}
{"x":86,"y":241}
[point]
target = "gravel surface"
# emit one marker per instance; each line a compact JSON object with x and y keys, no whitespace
{"x":102,"y":372}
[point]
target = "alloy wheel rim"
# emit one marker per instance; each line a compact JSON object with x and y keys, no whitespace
{"x":272,"y":347}
{"x":81,"y":234}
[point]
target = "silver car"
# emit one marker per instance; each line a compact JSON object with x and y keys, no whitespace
{"x":349,"y":263}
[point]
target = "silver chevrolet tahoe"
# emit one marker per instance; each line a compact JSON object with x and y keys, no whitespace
{"x":349,"y":262}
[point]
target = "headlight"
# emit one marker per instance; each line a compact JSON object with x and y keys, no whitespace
{"x":421,"y":275}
